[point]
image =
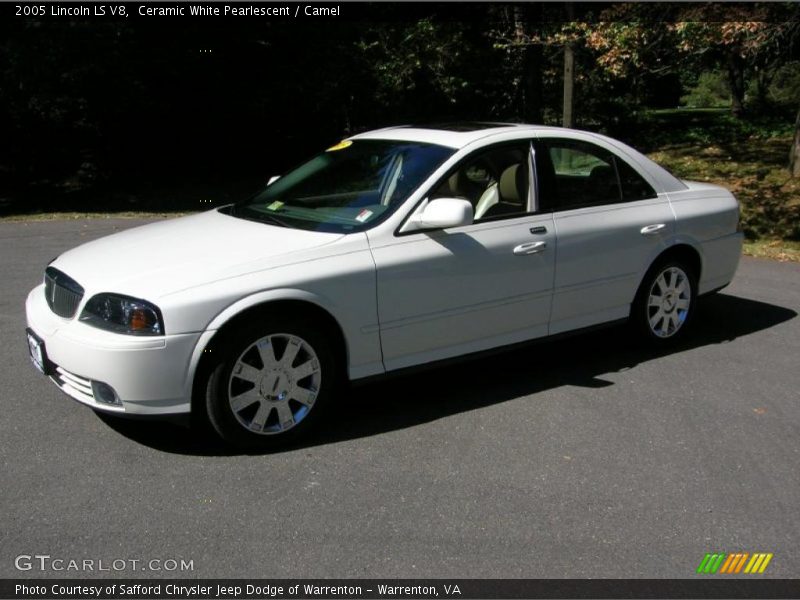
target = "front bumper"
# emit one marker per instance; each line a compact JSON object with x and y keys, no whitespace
{"x":151,"y":375}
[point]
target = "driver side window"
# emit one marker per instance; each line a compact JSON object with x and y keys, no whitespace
{"x":494,"y":181}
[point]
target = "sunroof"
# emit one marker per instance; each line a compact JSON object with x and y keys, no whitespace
{"x":463,"y":126}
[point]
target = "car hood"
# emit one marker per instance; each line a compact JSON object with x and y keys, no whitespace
{"x":165,"y":257}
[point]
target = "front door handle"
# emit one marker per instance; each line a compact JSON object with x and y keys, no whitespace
{"x":652,"y":229}
{"x":530,"y":248}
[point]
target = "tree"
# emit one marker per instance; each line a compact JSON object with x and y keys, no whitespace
{"x":743,"y":39}
{"x":569,"y":73}
{"x":416,"y":67}
{"x":547,"y":36}
{"x":530,"y":106}
{"x":794,"y":153}
{"x":735,"y":44}
{"x":517,"y":34}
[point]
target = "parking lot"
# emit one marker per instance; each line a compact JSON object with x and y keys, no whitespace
{"x":585,"y":457}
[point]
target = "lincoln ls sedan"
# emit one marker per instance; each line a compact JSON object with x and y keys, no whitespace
{"x":389,"y":250}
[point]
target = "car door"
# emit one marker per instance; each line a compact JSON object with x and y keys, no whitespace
{"x":609,"y":224}
{"x":443,"y":293}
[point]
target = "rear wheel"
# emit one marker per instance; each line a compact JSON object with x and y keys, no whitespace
{"x":272,"y":383}
{"x":665,"y":303}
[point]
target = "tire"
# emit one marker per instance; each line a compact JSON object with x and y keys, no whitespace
{"x":665,"y":303}
{"x":272,"y":383}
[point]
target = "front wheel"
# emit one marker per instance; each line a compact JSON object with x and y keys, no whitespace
{"x":271,"y":384}
{"x":665,"y":303}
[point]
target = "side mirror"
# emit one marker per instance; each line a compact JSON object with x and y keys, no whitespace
{"x":273,"y":179}
{"x":446,"y":212}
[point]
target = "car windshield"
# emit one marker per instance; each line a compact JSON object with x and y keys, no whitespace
{"x":349,"y":187}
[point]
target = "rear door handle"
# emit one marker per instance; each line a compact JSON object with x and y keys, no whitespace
{"x":652,"y":229}
{"x":530,"y":248}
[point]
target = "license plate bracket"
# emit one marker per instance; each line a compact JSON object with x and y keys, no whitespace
{"x":37,"y":352}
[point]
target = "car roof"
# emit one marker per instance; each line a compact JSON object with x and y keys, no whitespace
{"x":454,"y":135}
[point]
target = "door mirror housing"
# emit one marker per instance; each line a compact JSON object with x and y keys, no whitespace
{"x":443,"y":213}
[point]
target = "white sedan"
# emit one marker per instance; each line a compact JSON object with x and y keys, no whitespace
{"x":392,"y":249}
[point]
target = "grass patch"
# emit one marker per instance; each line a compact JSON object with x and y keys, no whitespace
{"x":69,"y":216}
{"x":783,"y":251}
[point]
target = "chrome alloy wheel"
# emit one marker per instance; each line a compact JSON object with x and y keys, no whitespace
{"x":274,"y":383}
{"x":668,"y":302}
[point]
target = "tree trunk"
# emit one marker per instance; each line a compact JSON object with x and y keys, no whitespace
{"x":736,"y":82}
{"x":569,"y":76}
{"x":532,"y":66}
{"x":763,"y":80}
{"x":569,"y":85}
{"x":794,"y":153}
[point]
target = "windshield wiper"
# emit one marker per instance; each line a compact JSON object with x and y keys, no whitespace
{"x":272,"y":219}
{"x":258,"y":217}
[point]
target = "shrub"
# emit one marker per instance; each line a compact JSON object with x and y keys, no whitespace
{"x":711,"y":91}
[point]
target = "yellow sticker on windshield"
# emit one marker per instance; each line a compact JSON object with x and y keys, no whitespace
{"x":363,"y":216}
{"x":275,"y":205}
{"x":340,"y":146}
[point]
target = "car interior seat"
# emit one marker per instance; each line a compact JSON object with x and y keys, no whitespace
{"x":459,"y":185}
{"x":455,"y":187}
{"x":511,"y":193}
{"x":488,"y":199}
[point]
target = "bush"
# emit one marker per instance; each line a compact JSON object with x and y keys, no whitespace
{"x":711,"y":91}
{"x":784,"y":89}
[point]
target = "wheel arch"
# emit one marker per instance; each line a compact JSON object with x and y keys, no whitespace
{"x":682,"y":251}
{"x":685,"y":252}
{"x":292,"y":301}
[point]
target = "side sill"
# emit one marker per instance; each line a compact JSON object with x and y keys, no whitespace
{"x":406,"y":371}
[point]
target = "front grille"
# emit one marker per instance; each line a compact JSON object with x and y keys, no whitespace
{"x":63,"y":294}
{"x":74,"y":385}
{"x":86,"y":391}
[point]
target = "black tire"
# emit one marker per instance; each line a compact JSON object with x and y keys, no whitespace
{"x":674,"y":321}
{"x":238,"y":346}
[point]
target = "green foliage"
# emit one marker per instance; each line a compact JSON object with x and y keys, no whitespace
{"x":711,"y":91}
{"x":408,"y":56}
{"x":784,"y":90}
{"x":429,"y":70}
{"x":652,"y":129}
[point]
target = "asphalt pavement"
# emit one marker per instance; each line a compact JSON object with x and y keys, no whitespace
{"x":586,"y":457}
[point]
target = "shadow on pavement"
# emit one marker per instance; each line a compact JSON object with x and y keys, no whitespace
{"x":404,"y":401}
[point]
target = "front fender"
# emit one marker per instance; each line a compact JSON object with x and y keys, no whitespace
{"x":266,"y":296}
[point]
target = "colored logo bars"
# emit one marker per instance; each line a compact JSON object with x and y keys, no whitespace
{"x":721,"y":562}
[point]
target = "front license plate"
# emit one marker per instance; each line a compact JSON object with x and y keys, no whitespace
{"x":36,"y":349}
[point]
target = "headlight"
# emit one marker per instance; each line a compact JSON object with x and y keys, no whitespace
{"x":123,"y":314}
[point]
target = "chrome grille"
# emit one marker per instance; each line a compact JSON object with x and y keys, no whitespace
{"x":74,"y":385}
{"x":63,"y":294}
